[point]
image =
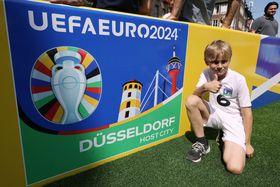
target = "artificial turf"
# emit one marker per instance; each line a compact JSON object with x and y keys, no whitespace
{"x":165,"y":164}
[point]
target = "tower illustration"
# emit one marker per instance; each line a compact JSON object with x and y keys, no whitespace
{"x":131,"y":99}
{"x":173,"y":69}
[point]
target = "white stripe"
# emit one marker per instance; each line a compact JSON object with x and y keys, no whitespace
{"x":265,"y":86}
{"x":38,"y":75}
{"x":156,"y":89}
{"x":42,"y":95}
{"x":94,"y":79}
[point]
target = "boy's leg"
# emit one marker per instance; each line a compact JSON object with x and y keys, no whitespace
{"x":234,"y":157}
{"x":198,"y":114}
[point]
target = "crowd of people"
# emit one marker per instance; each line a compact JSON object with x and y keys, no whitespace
{"x":195,"y":11}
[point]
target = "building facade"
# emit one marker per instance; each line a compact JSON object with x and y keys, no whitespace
{"x":241,"y":19}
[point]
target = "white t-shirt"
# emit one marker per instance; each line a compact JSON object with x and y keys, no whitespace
{"x":233,"y":94}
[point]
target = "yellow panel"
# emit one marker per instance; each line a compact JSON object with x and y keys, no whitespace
{"x":12,"y":172}
{"x":242,"y":61}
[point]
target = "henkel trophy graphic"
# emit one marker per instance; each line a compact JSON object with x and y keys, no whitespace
{"x":68,"y":84}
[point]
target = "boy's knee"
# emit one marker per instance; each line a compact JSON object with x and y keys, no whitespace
{"x":192,"y":101}
{"x":235,"y":168}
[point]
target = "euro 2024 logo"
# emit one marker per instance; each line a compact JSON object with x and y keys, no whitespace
{"x":66,"y":85}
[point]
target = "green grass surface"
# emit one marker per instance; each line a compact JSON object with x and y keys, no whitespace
{"x":165,"y":164}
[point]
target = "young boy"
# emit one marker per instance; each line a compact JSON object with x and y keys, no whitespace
{"x":228,"y":109}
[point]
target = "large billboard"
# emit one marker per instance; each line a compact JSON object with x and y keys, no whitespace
{"x":89,"y":86}
{"x":103,"y":85}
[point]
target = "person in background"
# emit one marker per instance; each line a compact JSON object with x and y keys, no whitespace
{"x":195,"y":11}
{"x":233,"y":7}
{"x":171,"y":3}
{"x":266,"y":24}
{"x":129,"y":6}
{"x":201,"y":11}
{"x":228,"y":109}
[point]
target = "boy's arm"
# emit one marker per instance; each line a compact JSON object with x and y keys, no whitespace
{"x":176,"y":10}
{"x":248,"y":123}
{"x":145,"y":7}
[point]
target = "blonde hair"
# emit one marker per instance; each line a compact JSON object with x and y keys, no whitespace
{"x":215,"y":49}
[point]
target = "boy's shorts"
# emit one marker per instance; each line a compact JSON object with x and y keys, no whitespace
{"x":232,"y":125}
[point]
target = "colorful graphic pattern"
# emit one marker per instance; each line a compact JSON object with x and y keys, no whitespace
{"x":43,"y":95}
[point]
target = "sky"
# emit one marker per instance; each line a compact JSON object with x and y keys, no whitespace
{"x":258,"y":6}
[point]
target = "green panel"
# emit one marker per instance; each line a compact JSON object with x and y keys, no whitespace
{"x":67,"y":152}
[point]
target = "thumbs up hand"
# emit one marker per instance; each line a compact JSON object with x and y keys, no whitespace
{"x":215,"y":77}
{"x":214,"y":85}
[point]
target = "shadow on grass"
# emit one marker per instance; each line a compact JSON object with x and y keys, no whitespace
{"x":210,"y":134}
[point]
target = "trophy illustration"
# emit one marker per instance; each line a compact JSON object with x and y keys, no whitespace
{"x":68,"y":84}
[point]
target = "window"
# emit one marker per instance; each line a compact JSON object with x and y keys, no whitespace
{"x":128,"y":104}
{"x":126,"y":114}
{"x":216,"y":10}
{"x":135,"y":86}
{"x":129,"y":94}
{"x":130,"y":86}
{"x":125,"y":87}
{"x":215,"y":23}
